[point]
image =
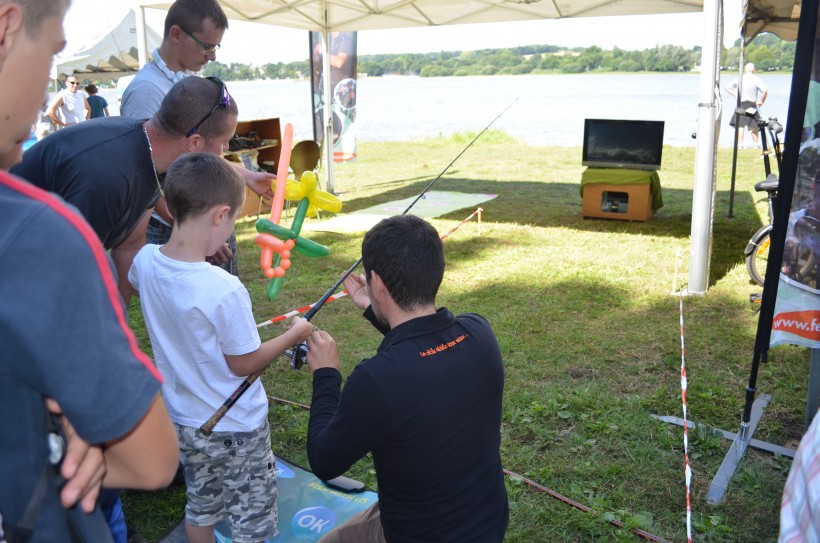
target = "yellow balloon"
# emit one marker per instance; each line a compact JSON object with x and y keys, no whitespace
{"x":325,"y":200}
{"x":307,"y":187}
{"x":309,"y":182}
{"x":294,"y":190}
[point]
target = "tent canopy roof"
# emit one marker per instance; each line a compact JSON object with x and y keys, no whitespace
{"x":780,"y":17}
{"x":354,"y":15}
{"x":108,"y":55}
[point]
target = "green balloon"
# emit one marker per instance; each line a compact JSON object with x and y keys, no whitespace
{"x":274,"y":287}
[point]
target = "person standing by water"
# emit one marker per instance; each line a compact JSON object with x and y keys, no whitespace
{"x":69,"y":107}
{"x":98,"y":104}
{"x":753,"y":93}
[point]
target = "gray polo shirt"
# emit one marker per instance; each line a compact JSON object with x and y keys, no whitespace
{"x":144,"y":94}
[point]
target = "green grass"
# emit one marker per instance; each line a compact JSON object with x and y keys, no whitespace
{"x":588,"y":326}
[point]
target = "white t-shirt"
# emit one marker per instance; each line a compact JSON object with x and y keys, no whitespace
{"x":73,"y":109}
{"x":197,"y":313}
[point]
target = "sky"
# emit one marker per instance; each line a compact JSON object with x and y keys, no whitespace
{"x":250,"y":43}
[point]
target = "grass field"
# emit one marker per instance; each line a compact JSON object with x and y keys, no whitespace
{"x":588,"y":325}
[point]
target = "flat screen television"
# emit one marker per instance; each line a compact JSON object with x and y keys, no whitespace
{"x":610,"y":143}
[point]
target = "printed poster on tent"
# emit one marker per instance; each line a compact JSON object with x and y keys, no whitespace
{"x":797,"y":307}
{"x":343,"y":66}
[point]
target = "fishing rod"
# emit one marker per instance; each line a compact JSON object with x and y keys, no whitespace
{"x":299,"y":352}
{"x":208,"y":426}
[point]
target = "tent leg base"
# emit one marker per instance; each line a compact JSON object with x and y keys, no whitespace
{"x":741,"y":441}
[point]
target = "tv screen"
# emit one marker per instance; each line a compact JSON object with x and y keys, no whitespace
{"x":610,"y":143}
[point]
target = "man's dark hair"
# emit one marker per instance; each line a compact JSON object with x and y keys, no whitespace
{"x":191,"y":14}
{"x":188,"y":102}
{"x":197,"y":182}
{"x":408,"y":255}
{"x":37,"y":11}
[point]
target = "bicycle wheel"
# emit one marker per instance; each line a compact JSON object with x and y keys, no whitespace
{"x":758,"y":259}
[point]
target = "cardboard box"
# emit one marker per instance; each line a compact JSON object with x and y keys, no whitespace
{"x":614,"y":201}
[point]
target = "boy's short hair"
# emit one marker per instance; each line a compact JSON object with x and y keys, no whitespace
{"x":188,"y":102}
{"x":197,"y":182}
{"x":37,"y":11}
{"x":191,"y":14}
{"x":407,"y":253}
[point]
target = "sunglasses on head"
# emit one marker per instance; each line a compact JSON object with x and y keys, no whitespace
{"x":224,"y":102}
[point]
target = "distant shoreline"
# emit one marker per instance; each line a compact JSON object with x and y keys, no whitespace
{"x":556,"y":73}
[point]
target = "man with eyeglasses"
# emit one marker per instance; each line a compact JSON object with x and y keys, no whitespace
{"x":193,"y":31}
{"x":71,"y":105}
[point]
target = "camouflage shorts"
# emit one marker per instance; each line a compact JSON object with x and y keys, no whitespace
{"x":230,"y":475}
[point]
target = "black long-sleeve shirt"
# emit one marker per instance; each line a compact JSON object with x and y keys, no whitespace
{"x":428,"y":405}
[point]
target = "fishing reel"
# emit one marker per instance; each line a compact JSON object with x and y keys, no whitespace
{"x":298,"y":356}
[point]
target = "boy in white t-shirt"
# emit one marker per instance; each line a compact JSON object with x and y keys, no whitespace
{"x":205,"y":341}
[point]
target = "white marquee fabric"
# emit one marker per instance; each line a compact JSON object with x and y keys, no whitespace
{"x":779,"y":17}
{"x":109,"y":55}
{"x":355,"y":15}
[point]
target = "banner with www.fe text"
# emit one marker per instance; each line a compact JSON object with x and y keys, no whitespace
{"x":797,"y":307}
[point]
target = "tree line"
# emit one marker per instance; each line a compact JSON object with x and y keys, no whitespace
{"x":767,"y":52}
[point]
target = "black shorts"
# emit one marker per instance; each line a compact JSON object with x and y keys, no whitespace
{"x":744,"y":121}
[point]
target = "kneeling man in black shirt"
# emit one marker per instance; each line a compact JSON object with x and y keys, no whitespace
{"x":427,"y":404}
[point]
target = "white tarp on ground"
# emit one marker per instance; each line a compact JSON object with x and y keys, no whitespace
{"x":109,"y":55}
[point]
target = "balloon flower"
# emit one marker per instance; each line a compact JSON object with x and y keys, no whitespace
{"x":274,"y":239}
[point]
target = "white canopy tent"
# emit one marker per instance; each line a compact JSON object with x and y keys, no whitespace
{"x":780,"y":17}
{"x":357,"y":15}
{"x":109,"y":55}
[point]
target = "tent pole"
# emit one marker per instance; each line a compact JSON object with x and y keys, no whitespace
{"x":740,"y":62}
{"x":142,"y":42}
{"x":328,"y":109}
{"x":703,"y":194}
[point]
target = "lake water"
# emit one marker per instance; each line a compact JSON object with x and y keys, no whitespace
{"x":548,"y":109}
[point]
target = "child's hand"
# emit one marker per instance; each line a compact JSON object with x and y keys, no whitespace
{"x":300,"y":328}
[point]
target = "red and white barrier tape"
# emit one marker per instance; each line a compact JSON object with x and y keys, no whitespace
{"x":342,"y":294}
{"x":297,"y":311}
{"x":456,"y":227}
{"x":683,"y":386}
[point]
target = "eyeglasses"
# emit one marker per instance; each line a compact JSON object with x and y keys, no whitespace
{"x":208,"y":49}
{"x":73,"y":82}
{"x":224,"y":102}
